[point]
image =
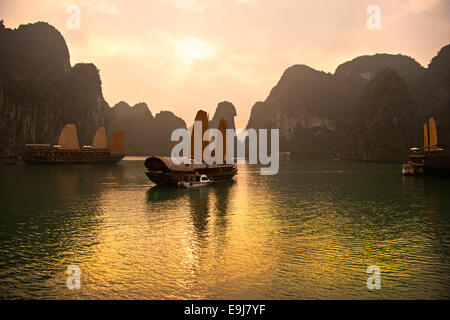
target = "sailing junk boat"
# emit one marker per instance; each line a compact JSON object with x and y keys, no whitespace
{"x":69,"y":151}
{"x":162,"y":170}
{"x":433,"y":158}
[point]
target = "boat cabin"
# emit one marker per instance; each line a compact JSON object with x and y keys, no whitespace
{"x":408,"y":169}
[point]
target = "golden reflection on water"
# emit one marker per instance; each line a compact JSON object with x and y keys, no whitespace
{"x":234,"y":240}
{"x":308,"y":232}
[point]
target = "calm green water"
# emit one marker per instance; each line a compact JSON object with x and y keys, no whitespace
{"x":309,"y":232}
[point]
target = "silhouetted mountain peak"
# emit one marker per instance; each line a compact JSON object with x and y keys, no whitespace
{"x":438,"y":93}
{"x":43,"y":50}
{"x":142,"y":109}
{"x":298,"y":73}
{"x":138,"y":111}
{"x":170,"y":116}
{"x":225,"y":110}
{"x":367,"y":66}
{"x":385,"y":124}
{"x":312,"y":109}
{"x":441,"y":62}
{"x":88,"y":76}
{"x":296,"y":69}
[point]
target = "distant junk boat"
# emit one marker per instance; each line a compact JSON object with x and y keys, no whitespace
{"x":432,"y":159}
{"x":69,"y":151}
{"x":163,"y":171}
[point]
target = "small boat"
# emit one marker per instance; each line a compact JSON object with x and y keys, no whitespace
{"x":408,"y":169}
{"x":433,"y":158}
{"x":167,"y":171}
{"x":194,"y":181}
{"x":163,"y":171}
{"x":9,"y":161}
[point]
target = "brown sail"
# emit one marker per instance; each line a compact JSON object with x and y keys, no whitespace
{"x":68,"y":150}
{"x":201,"y":116}
{"x":426,"y":143}
{"x":116,"y":142}
{"x":100,"y":141}
{"x":433,"y":134}
{"x":223,"y":129}
{"x":68,"y":139}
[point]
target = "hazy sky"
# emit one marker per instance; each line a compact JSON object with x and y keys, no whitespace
{"x":182,"y":55}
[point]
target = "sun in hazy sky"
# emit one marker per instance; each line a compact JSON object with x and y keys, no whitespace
{"x":193,"y":49}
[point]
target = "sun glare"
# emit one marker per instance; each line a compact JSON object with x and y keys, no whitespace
{"x":195,"y":49}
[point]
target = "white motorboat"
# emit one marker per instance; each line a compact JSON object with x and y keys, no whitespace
{"x":194,"y":181}
{"x":408,"y":169}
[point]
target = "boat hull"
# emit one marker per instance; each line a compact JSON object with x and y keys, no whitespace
{"x":431,"y":163}
{"x":55,"y":156}
{"x":84,"y":161}
{"x":164,"y":171}
{"x":172,"y":178}
{"x":193,"y":184}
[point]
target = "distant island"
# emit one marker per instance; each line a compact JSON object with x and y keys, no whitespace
{"x":370,"y":109}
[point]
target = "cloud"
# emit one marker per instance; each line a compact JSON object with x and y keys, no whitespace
{"x":420,"y":5}
{"x":195,"y":6}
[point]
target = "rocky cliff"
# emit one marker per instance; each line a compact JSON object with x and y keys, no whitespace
{"x":166,"y":123}
{"x":385,"y":124}
{"x":225,"y":110}
{"x":438,"y":99}
{"x":314,"y":110}
{"x":40,"y":93}
{"x":33,"y":49}
{"x":138,"y":124}
{"x":146,"y":135}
